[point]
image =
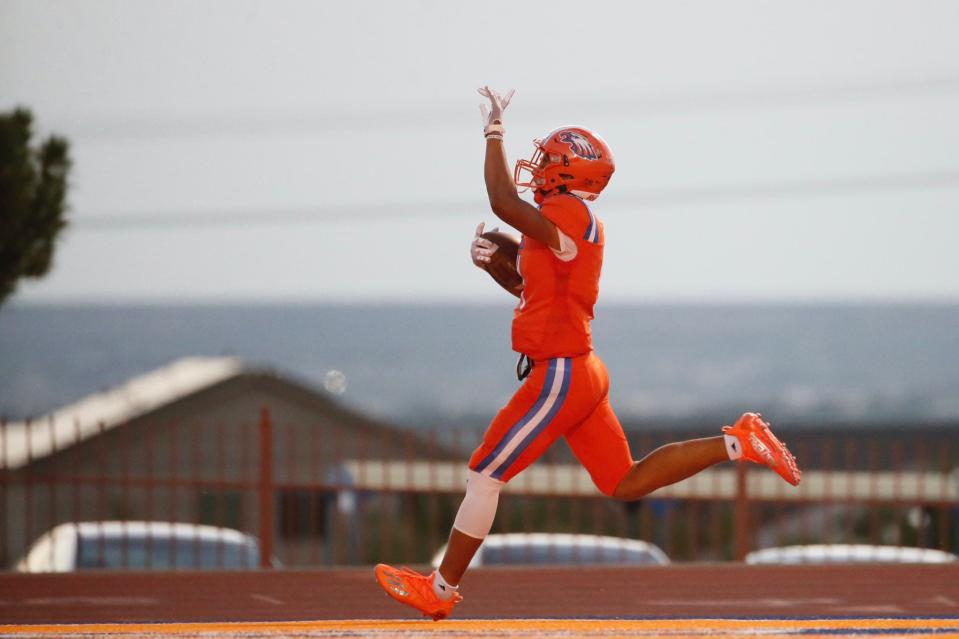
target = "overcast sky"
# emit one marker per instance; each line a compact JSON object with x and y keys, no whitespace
{"x":265,"y":151}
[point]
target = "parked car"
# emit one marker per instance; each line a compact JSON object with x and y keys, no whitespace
{"x":140,"y":545}
{"x":562,"y":549}
{"x":848,"y":554}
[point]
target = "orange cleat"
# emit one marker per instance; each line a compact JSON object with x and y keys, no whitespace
{"x":416,"y":590}
{"x":761,"y":446}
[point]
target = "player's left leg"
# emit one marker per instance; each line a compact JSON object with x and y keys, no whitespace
{"x":413,"y":589}
{"x":470,"y":527}
{"x":557,"y":394}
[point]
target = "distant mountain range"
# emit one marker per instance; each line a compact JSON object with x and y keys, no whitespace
{"x":422,"y":365}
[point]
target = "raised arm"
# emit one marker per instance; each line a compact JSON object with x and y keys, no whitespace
{"x":503,"y":198}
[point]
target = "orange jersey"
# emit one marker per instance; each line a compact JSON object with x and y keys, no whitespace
{"x":556,"y":306}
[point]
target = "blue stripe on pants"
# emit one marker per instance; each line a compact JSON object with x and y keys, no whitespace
{"x":498,"y":473}
{"x":543,"y":396}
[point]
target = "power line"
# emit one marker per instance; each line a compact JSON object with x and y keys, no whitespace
{"x":360,"y":118}
{"x":796,"y":189}
{"x":642,"y":198}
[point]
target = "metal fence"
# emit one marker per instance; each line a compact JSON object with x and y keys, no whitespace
{"x":314,"y":495}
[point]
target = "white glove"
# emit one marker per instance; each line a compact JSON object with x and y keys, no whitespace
{"x":493,"y":116}
{"x":481,"y":249}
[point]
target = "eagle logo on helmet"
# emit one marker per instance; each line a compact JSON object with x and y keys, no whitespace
{"x":579,"y":144}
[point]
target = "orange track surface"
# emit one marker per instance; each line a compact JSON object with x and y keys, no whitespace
{"x":698,"y":591}
{"x":672,"y":628}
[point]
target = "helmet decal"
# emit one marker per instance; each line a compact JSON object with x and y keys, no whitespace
{"x":580,"y":145}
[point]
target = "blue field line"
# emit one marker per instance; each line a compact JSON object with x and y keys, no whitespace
{"x":730,"y":618}
{"x":870,"y":631}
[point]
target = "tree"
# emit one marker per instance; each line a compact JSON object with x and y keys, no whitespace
{"x":33,"y":193}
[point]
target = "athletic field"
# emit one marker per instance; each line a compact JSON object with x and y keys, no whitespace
{"x":548,"y":628}
{"x":676,"y":601}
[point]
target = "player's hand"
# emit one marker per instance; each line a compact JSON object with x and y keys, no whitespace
{"x":481,"y":249}
{"x":494,"y":113}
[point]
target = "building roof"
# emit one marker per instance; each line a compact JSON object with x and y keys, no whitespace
{"x":23,"y":442}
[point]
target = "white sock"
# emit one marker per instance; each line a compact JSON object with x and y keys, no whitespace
{"x":733,"y":447}
{"x":442,"y":589}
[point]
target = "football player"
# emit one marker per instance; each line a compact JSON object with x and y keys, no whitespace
{"x":566,"y":387}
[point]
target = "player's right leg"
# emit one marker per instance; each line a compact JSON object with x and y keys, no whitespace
{"x":601,"y":448}
{"x":751,"y":439}
{"x":600,"y":445}
{"x":669,"y":464}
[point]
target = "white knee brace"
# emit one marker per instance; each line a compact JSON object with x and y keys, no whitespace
{"x":476,"y":513}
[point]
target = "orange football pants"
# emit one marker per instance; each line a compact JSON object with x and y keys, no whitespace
{"x":566,"y":396}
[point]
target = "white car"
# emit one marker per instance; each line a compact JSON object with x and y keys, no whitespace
{"x":140,"y":545}
{"x":562,"y":549}
{"x":848,"y":554}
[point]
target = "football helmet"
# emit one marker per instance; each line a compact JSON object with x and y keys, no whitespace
{"x":572,"y":159}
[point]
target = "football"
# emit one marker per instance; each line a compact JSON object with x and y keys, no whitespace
{"x":502,"y":264}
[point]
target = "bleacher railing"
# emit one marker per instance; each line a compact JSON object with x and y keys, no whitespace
{"x":264,"y":494}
